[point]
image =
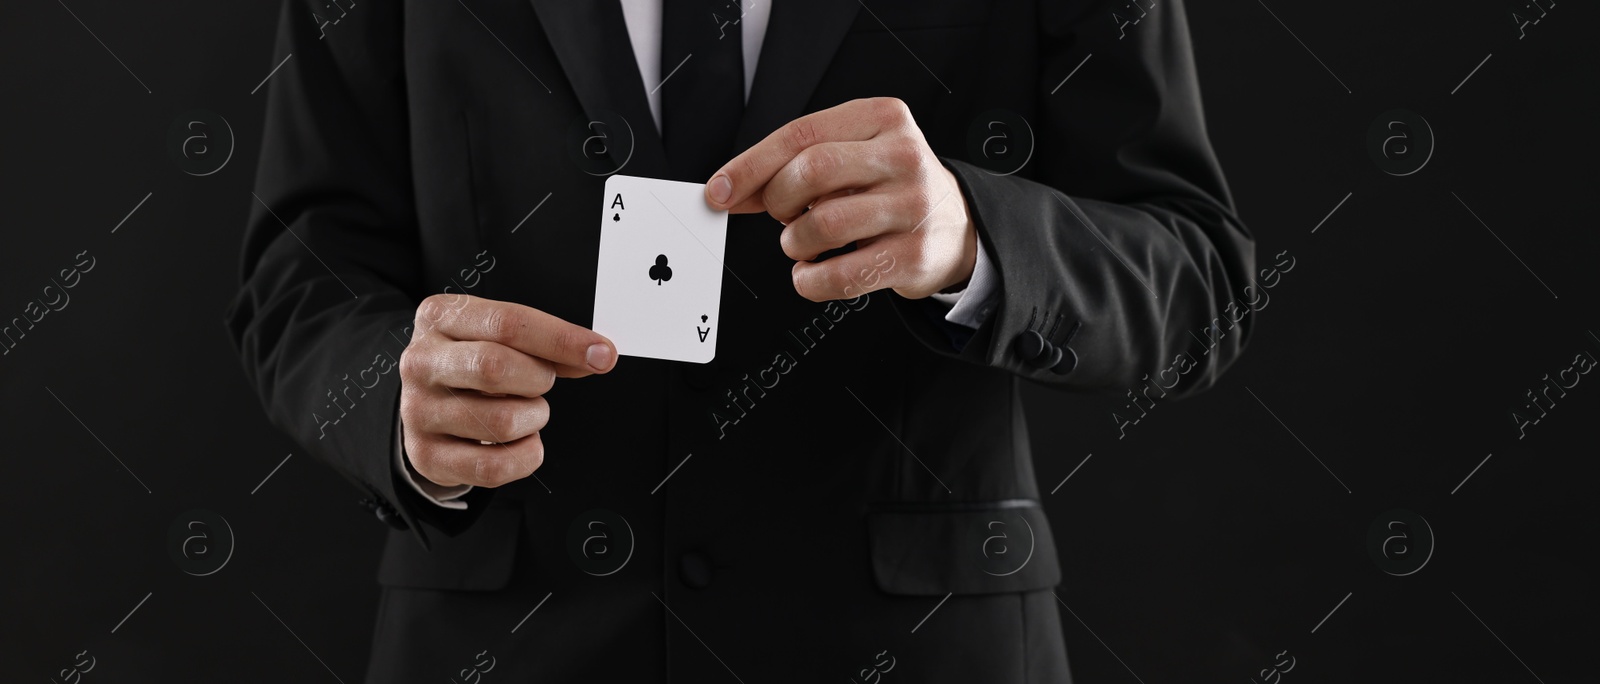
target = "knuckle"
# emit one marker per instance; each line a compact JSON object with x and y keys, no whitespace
{"x":839,"y":280}
{"x":501,"y":420}
{"x":499,"y":326}
{"x":427,"y":311}
{"x":543,"y":379}
{"x":814,"y":166}
{"x":567,"y":341}
{"x":417,"y":446}
{"x":413,"y":365}
{"x":804,"y":288}
{"x":488,"y":366}
{"x":904,"y":152}
{"x":827,"y":223}
{"x":422,"y":459}
{"x":791,"y":244}
{"x":891,"y":109}
{"x":801,"y":134}
{"x":489,"y":470}
{"x":748,"y":168}
{"x":441,"y":306}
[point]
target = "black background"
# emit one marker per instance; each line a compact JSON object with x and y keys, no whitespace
{"x":1196,"y":548}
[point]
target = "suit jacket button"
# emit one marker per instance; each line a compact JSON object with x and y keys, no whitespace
{"x":1050,"y":358}
{"x":1067,"y":362}
{"x":1030,"y":345}
{"x":694,"y":570}
{"x":389,"y":516}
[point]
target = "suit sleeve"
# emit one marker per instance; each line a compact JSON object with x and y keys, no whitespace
{"x":331,"y":267}
{"x":1127,"y":230}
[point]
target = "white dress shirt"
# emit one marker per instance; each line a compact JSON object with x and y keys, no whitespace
{"x":968,"y":307}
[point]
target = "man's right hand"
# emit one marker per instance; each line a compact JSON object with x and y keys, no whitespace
{"x":476,"y":371}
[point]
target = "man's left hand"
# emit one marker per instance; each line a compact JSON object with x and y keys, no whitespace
{"x":858,"y":173}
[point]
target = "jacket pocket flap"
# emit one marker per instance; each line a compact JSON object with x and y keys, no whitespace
{"x":962,"y":548}
{"x":478,"y":559}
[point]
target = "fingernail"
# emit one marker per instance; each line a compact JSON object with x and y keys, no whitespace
{"x":598,"y":357}
{"x":721,"y":189}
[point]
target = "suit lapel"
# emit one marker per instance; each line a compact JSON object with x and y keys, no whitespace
{"x":801,"y":40}
{"x":591,"y":41}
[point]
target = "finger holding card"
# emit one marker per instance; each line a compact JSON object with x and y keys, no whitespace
{"x":834,"y":223}
{"x":473,"y":380}
{"x":857,"y":173}
{"x":737,"y":187}
{"x":824,"y":170}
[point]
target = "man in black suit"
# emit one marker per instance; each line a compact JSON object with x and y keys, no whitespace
{"x":847,"y":490}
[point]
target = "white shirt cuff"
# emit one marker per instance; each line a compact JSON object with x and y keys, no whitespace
{"x":447,"y":497}
{"x":971,"y":306}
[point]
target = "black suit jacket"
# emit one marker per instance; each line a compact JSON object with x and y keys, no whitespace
{"x":860,"y":493}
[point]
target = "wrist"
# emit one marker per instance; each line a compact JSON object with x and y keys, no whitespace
{"x":967,"y":261}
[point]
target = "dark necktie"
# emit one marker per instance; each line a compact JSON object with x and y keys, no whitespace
{"x":702,"y":91}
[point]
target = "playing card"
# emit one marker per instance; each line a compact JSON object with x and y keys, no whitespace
{"x":658,"y":284}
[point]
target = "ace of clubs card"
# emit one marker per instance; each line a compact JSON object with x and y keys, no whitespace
{"x":658,"y":283}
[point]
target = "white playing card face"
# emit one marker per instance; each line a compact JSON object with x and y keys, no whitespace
{"x":658,"y":285}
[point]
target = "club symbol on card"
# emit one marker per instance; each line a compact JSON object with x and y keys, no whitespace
{"x":661,"y":271}
{"x":616,"y":217}
{"x":703,"y":331}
